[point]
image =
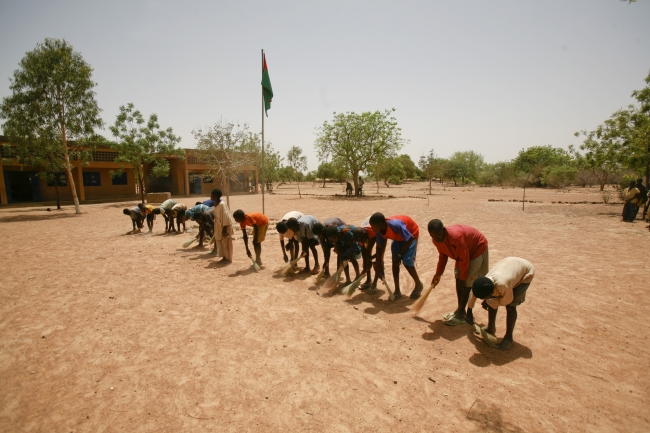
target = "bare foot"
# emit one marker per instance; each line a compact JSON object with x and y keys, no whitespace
{"x":505,"y":344}
{"x":304,"y":271}
{"x":316,"y":270}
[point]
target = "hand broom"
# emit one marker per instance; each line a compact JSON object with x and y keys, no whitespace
{"x":390,"y":292}
{"x":332,"y":282}
{"x":188,"y":243}
{"x":417,"y":306}
{"x":350,"y":288}
{"x":289,"y":266}
{"x":255,"y":265}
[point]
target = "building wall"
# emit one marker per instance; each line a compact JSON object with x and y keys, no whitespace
{"x":105,"y":190}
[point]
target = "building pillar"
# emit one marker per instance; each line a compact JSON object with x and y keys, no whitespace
{"x":80,"y":183}
{"x":186,"y":177}
{"x":3,"y":187}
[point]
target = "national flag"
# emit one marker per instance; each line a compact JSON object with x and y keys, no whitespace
{"x":266,"y":87}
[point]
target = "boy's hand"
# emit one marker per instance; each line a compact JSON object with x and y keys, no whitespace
{"x":248,"y":253}
{"x":436,"y":279}
{"x":469,"y":317}
{"x":286,"y":259}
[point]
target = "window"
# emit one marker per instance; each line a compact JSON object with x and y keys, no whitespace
{"x":207,"y":179}
{"x":61,"y":180}
{"x":104,"y":156}
{"x":91,"y":178}
{"x":120,"y":179}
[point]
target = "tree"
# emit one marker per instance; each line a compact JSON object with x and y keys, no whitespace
{"x":143,"y":145}
{"x":559,"y":176}
{"x":389,"y":170}
{"x":410,"y":169}
{"x":298,"y":163}
{"x":530,"y":163}
{"x":465,"y":165}
{"x":358,"y":140}
{"x":427,"y":164}
{"x":53,"y":102}
{"x":601,"y":149}
{"x":325,"y":171}
{"x":639,"y":142}
{"x":224,"y":151}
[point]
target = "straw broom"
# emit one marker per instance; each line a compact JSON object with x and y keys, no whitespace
{"x":320,"y":276}
{"x":188,"y":243}
{"x":350,"y":288}
{"x":417,"y":306}
{"x":332,"y":282}
{"x":390,"y":292}
{"x":255,"y":265}
{"x":287,"y":268}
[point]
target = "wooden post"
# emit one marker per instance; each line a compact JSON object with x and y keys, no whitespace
{"x":263,"y":185}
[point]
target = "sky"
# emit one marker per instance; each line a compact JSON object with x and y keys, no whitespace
{"x":493,"y":77}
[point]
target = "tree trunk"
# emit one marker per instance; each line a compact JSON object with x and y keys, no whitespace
{"x":323,"y":183}
{"x":355,"y":180}
{"x":68,"y":169}
{"x":386,"y":183}
{"x":455,"y":182}
{"x":141,"y":182}
{"x":430,"y":179}
{"x":298,"y":182}
{"x":56,"y":189}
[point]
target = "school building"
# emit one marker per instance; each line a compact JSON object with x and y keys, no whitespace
{"x":21,"y":184}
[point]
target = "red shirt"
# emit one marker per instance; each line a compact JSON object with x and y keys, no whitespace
{"x":254,"y":219}
{"x":399,"y":228}
{"x":463,"y":244}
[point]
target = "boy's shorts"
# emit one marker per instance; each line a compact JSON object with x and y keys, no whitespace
{"x":478,"y":267}
{"x":520,"y":295}
{"x":261,"y":234}
{"x":408,"y":258}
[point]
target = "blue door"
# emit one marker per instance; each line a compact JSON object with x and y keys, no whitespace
{"x":36,"y":186}
{"x":197,"y":184}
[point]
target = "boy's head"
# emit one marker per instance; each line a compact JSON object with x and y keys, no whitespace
{"x":332,"y":233}
{"x":292,"y":224}
{"x":281,"y":227}
{"x":156,"y":211}
{"x":378,"y":222}
{"x":191,"y":215}
{"x":318,"y":229}
{"x":639,"y":181}
{"x":180,"y":216}
{"x":483,"y":287}
{"x":359,"y":235}
{"x":437,"y":230}
{"x":632,"y":184}
{"x":197,"y":203}
{"x":216,"y":195}
{"x":141,"y":206}
{"x":126,"y":212}
{"x":238,"y":215}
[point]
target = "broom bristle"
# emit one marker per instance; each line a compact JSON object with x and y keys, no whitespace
{"x":255,"y":265}
{"x":288,"y":268}
{"x":320,"y":276}
{"x":417,"y":306}
{"x":390,"y":292}
{"x":188,"y":243}
{"x":350,"y":288}
{"x":332,"y":282}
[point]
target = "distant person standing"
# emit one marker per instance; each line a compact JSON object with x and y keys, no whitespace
{"x":223,"y":227}
{"x":642,"y":198}
{"x":631,"y":206}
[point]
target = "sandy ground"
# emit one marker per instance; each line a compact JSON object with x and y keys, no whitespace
{"x":100,"y":331}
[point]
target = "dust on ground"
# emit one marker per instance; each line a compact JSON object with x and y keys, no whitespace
{"x":102,"y":331}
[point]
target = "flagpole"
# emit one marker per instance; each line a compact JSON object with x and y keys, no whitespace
{"x":263,"y":180}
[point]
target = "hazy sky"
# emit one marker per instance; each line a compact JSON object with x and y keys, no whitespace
{"x":489,"y":76}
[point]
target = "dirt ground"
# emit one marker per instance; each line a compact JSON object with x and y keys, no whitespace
{"x":103,"y":332}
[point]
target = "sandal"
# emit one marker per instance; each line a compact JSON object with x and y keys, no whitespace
{"x":454,"y":321}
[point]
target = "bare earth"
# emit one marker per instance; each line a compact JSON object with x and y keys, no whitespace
{"x":100,"y":331}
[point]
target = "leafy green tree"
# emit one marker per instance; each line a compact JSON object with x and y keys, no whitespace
{"x":411,"y":170}
{"x":487,"y":176}
{"x":638,"y":143}
{"x":298,"y":163}
{"x":559,"y":176}
{"x":389,"y":170}
{"x":601,"y":152}
{"x":144,"y":145}
{"x":427,"y":164}
{"x":465,"y":165}
{"x":325,"y":171}
{"x":532,"y":161}
{"x":285,"y":174}
{"x":357,"y":141}
{"x":52,"y":107}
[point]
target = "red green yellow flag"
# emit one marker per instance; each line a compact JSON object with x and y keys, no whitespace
{"x":266,"y":87}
